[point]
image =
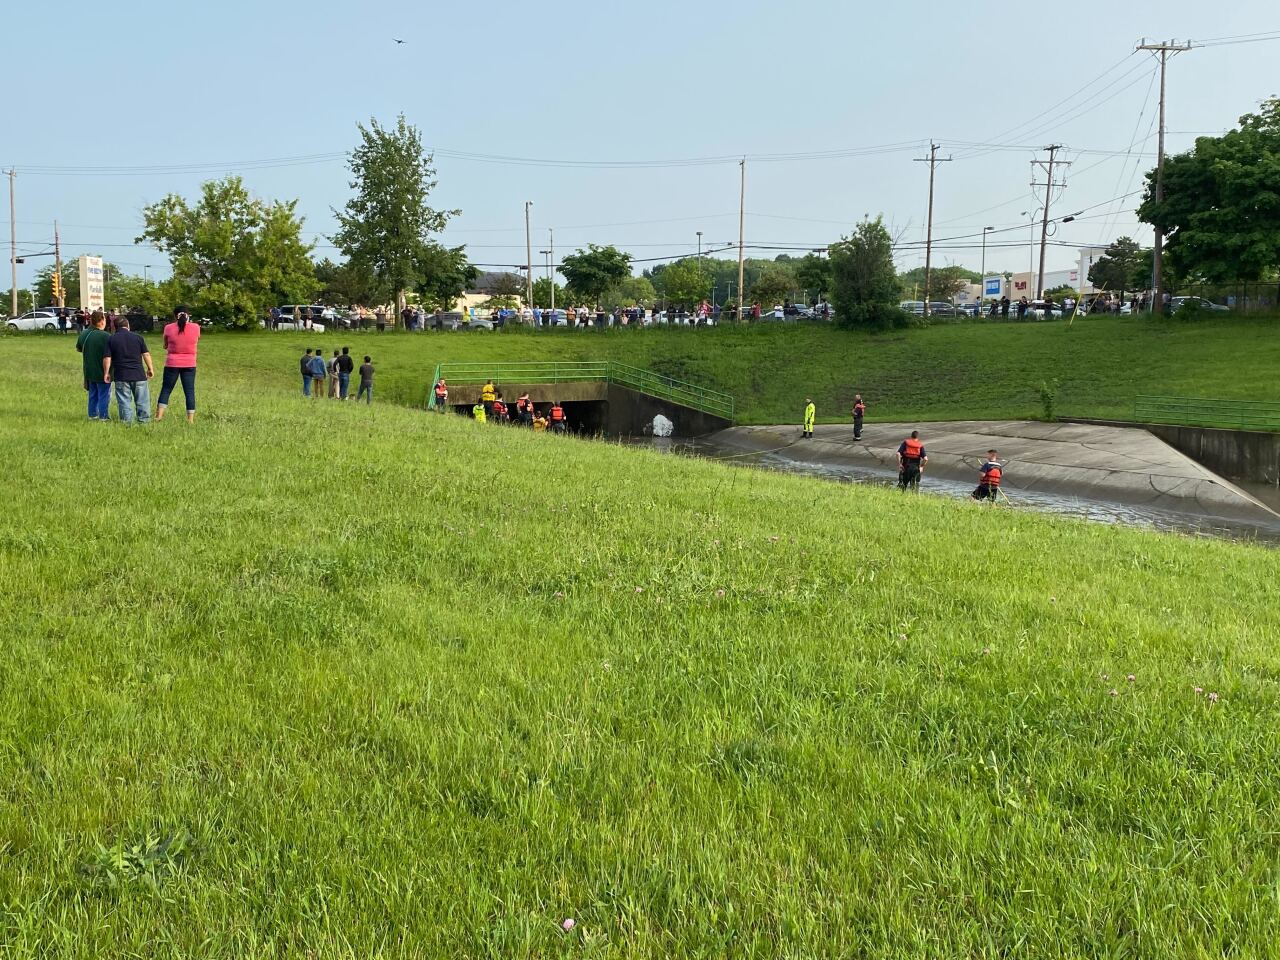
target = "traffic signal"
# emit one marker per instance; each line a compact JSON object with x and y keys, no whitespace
{"x":57,"y":287}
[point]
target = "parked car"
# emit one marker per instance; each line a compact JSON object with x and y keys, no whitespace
{"x":1197,"y":303}
{"x":320,"y":316}
{"x":912,"y":306}
{"x":1039,"y":310}
{"x":34,"y":320}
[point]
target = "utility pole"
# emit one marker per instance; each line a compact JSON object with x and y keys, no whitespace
{"x":552,"y":262}
{"x":1157,"y":273}
{"x":528,"y":252}
{"x":13,"y":247}
{"x":933,"y":161}
{"x":742,"y":206}
{"x":982,"y":294}
{"x":1048,"y":198}
{"x":57,"y":264}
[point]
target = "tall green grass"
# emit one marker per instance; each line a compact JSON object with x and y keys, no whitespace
{"x":322,"y":680}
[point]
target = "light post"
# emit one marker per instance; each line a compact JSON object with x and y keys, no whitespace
{"x":547,"y":254}
{"x":982,"y":293}
{"x":145,"y":268}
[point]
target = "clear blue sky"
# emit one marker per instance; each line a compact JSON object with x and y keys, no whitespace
{"x":140,"y":84}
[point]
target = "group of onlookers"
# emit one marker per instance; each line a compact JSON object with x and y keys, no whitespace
{"x":336,"y":373}
{"x":123,"y":359}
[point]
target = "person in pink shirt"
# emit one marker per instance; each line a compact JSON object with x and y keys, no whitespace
{"x":180,"y":339}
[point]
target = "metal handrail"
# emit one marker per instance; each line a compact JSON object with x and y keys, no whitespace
{"x":607,"y":371}
{"x":1203,"y":412}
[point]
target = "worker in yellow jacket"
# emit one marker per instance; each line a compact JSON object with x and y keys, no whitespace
{"x":810,"y":412}
{"x":488,"y":393}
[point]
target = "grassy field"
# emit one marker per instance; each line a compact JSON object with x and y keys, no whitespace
{"x":946,"y":372}
{"x":322,"y":680}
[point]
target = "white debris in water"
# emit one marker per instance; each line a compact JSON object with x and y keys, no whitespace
{"x":662,"y":427}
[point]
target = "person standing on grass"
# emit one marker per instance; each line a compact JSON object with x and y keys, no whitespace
{"x":442,"y":396}
{"x":477,"y":413}
{"x":127,"y":363}
{"x":859,"y":411}
{"x":304,"y":365}
{"x":810,"y":414}
{"x":92,"y":344}
{"x":911,"y":461}
{"x":180,"y":339}
{"x":366,"y":381}
{"x":333,"y":375}
{"x":346,"y":366}
{"x":319,"y":371}
{"x":487,"y":395}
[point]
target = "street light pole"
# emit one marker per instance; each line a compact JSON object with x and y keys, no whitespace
{"x":13,"y":245}
{"x":982,"y":293}
{"x":552,"y":261}
{"x":528,"y":251}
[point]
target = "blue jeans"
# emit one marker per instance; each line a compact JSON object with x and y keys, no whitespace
{"x":133,"y":399}
{"x":344,"y":385}
{"x":171,"y":377}
{"x":366,"y":391}
{"x":306,"y":384}
{"x":99,"y":400}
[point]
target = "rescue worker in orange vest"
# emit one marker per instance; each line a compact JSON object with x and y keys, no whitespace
{"x":911,"y":461}
{"x":557,"y":417}
{"x":524,"y":407}
{"x":992,"y":474}
{"x":487,"y":395}
{"x":442,"y":395}
{"x":859,"y":411}
{"x":499,"y":409}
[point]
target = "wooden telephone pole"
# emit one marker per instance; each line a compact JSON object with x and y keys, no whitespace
{"x":1039,"y":287}
{"x":933,"y":161}
{"x":1157,"y":273}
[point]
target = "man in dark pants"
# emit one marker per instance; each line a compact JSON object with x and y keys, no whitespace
{"x":911,"y":461}
{"x":859,"y":411}
{"x":989,"y":482}
{"x":346,"y":365}
{"x":1004,"y":308}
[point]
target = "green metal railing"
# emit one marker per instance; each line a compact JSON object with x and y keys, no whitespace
{"x":598,"y":371}
{"x":1197,"y":412}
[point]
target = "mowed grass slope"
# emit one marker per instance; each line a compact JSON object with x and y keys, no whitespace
{"x":949,"y":371}
{"x":331,"y":681}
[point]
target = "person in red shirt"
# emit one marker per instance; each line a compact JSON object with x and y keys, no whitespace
{"x":180,"y":339}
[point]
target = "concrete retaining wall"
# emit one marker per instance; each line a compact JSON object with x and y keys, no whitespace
{"x":1244,"y":455}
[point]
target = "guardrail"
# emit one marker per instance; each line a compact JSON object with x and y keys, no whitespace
{"x":1198,"y":412}
{"x":606,"y":371}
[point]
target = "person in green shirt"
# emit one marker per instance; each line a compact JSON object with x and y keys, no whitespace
{"x":92,"y":344}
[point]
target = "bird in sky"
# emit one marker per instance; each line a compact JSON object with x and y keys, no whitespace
{"x":397,"y":40}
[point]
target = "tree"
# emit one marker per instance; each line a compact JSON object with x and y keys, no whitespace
{"x":233,"y":255}
{"x":774,"y":284}
{"x":501,"y":284}
{"x":1222,"y":202}
{"x":630,"y":292}
{"x":813,"y":273}
{"x":947,"y":282}
{"x":445,"y":273}
{"x":387,"y":225}
{"x":1119,"y":268}
{"x":592,"y":271}
{"x":345,"y":283}
{"x":685,"y":283}
{"x":864,"y":279}
{"x":542,"y":294}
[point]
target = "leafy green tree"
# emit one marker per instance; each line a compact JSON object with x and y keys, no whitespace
{"x":592,"y":271}
{"x":444,"y":274}
{"x":542,"y":295}
{"x":233,"y":255}
{"x":813,"y":273}
{"x":864,"y":279}
{"x":502,"y":284}
{"x":345,"y":284}
{"x":772,"y":286}
{"x":685,"y":283}
{"x":387,"y":225}
{"x":1119,"y":268}
{"x":630,"y":292}
{"x":70,"y":284}
{"x":1222,"y":202}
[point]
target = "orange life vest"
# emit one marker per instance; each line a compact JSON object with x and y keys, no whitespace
{"x":912,"y":449}
{"x":859,"y":408}
{"x":441,"y":389}
{"x":522,"y":402}
{"x":499,"y":408}
{"x":991,"y":474}
{"x":557,"y":414}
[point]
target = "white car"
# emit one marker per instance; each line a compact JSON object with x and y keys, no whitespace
{"x":35,"y":320}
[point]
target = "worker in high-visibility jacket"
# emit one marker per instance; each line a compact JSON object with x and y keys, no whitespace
{"x":989,"y":480}
{"x":488,"y":393}
{"x":479,"y":413}
{"x":810,"y":412}
{"x":911,"y":461}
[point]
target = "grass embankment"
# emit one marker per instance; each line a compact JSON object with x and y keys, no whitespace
{"x":947,"y":372}
{"x":330,"y":681}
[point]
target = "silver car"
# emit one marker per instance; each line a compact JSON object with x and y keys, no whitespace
{"x":34,"y":320}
